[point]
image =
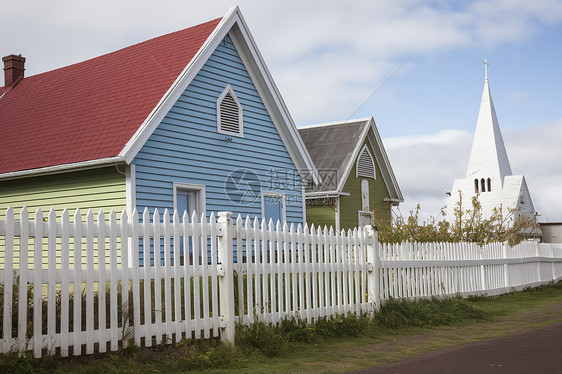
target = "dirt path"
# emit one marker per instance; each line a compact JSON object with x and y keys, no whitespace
{"x":526,"y":342}
{"x":531,"y":351}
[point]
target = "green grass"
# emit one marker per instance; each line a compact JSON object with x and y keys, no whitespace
{"x":344,"y":343}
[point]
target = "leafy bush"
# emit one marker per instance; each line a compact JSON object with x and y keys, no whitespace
{"x":267,"y":339}
{"x":467,"y":225}
{"x":395,"y":314}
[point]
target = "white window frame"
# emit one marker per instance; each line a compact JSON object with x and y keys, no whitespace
{"x":265,"y":194}
{"x":240,"y":133}
{"x":199,"y":188}
{"x":372,"y":161}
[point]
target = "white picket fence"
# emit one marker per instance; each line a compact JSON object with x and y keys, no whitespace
{"x":81,"y":284}
{"x":413,"y":270}
{"x":111,"y":296}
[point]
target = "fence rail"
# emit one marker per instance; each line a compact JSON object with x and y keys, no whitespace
{"x":85,"y":283}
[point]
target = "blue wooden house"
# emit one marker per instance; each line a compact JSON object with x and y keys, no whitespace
{"x":191,"y":120}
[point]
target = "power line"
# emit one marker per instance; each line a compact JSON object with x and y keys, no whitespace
{"x":383,"y":84}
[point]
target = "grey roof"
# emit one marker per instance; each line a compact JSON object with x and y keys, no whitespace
{"x":331,"y":146}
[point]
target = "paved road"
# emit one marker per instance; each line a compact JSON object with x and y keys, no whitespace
{"x":537,"y":351}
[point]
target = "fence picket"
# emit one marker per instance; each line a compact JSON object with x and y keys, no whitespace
{"x":113,"y":311}
{"x":22,"y":291}
{"x":77,"y":285}
{"x":52,"y":281}
{"x":37,"y":283}
{"x":176,"y":274}
{"x":147,"y":279}
{"x":332,"y":243}
{"x":308,"y":233}
{"x":204,"y":275}
{"x":196,"y":275}
{"x":167,"y":307}
{"x":188,"y":275}
{"x":213,"y":275}
{"x":294,"y":262}
{"x":286,"y":266}
{"x":89,"y":333}
{"x":264,"y":272}
{"x":8,"y":276}
{"x":125,"y":274}
{"x":158,"y":330}
{"x":239,"y":268}
{"x":65,"y":285}
{"x":280,"y":267}
{"x":272,"y":259}
{"x":258,"y":309}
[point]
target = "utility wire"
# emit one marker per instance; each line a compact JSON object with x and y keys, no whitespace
{"x":382,"y":85}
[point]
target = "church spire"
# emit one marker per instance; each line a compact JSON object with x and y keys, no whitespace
{"x":488,"y":157}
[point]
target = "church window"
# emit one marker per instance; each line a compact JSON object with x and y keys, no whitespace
{"x":476,"y":186}
{"x":483,"y":183}
{"x":489,"y":185}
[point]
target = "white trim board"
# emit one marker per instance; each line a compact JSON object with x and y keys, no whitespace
{"x":265,"y":194}
{"x":190,"y":187}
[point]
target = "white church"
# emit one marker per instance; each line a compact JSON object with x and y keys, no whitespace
{"x":489,"y":172}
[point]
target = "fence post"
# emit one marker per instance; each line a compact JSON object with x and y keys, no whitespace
{"x":482,"y":269}
{"x":505,"y":267}
{"x":537,"y":256}
{"x":373,"y":265}
{"x":226,"y":276}
{"x":553,"y":278}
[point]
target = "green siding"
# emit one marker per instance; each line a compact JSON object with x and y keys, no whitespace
{"x":102,"y":188}
{"x":321,"y":215}
{"x":351,"y":205}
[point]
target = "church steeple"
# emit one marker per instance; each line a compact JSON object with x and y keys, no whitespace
{"x":488,"y":157}
{"x":489,"y":174}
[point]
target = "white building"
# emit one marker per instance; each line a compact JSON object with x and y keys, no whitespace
{"x":489,"y":172}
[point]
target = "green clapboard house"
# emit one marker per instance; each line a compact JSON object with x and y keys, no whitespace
{"x":358,"y":184}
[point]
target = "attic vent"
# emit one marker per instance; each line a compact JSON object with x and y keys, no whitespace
{"x":366,"y":164}
{"x":229,"y":113}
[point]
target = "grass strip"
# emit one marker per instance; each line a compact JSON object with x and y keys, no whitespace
{"x":401,"y":329}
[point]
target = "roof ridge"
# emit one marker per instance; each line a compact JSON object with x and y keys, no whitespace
{"x":120,"y":50}
{"x":356,"y":120}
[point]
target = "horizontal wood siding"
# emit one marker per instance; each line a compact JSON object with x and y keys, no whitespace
{"x":102,"y":188}
{"x":187,"y":148}
{"x":321,"y":215}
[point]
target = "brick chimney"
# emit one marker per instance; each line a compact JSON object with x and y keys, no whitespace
{"x":13,"y":69}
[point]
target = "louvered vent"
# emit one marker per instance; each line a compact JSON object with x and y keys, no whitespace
{"x":229,"y":114}
{"x":365,"y":164}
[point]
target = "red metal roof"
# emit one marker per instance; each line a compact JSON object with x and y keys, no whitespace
{"x":90,"y":110}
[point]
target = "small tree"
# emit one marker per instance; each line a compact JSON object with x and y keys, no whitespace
{"x":467,"y":225}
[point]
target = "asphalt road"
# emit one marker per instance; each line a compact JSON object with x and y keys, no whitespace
{"x":537,"y":351}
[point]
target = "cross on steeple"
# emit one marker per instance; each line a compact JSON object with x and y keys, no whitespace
{"x":486,"y":68}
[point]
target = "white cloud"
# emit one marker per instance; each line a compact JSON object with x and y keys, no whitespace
{"x":536,"y":153}
{"x":427,"y":165}
{"x":326,"y":59}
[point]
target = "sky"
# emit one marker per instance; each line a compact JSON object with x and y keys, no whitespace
{"x":415,"y":66}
